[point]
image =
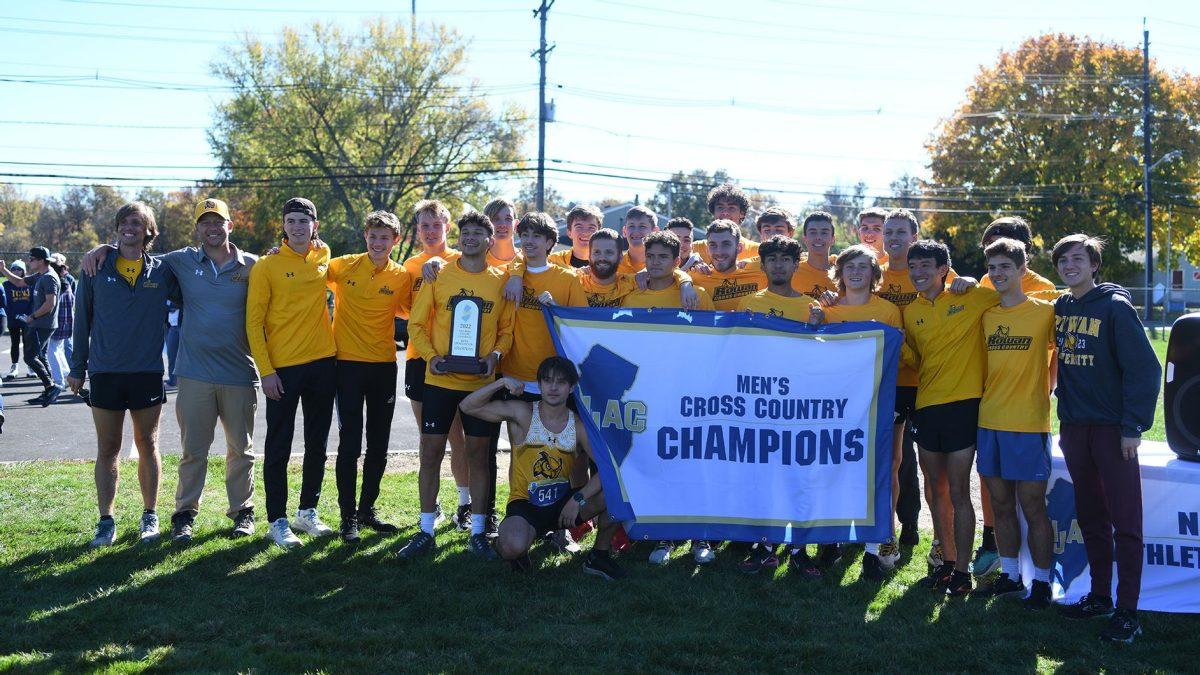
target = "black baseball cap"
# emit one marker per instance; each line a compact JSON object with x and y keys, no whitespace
{"x":300,"y":205}
{"x":39,"y":253}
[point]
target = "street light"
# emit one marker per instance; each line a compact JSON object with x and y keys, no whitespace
{"x":1149,"y":243}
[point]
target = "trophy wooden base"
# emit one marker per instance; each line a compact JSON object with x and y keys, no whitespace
{"x":465,"y":365}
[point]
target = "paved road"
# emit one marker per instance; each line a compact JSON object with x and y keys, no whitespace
{"x":64,"y":430}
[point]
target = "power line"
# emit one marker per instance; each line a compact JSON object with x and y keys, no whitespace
{"x":290,"y":11}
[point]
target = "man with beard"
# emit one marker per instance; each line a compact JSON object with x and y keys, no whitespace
{"x":728,"y":283}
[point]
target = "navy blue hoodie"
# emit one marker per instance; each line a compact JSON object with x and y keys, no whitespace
{"x":1107,"y":370}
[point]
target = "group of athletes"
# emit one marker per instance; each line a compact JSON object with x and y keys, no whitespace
{"x":974,"y":386}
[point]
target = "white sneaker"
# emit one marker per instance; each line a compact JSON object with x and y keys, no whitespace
{"x":282,"y":535}
{"x":149,"y":528}
{"x":889,"y":554}
{"x":308,"y":522}
{"x":562,"y":541}
{"x":703,"y":552}
{"x":661,"y":555}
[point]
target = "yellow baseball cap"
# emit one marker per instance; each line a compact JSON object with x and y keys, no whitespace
{"x":211,"y":206}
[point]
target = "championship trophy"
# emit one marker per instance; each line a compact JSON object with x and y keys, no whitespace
{"x":466,"y":319}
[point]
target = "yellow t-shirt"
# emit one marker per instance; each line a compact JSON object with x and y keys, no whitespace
{"x":812,"y":281}
{"x":612,"y":295}
{"x":1016,"y":388}
{"x":728,"y":289}
{"x":493,"y":261}
{"x":749,"y":250}
{"x":531,"y":336}
{"x":897,"y":288}
{"x":412,"y":285}
{"x":1031,"y":282}
{"x":429,"y":326}
{"x":130,"y":270}
{"x":876,"y":309}
{"x":666,"y":298}
{"x":628,"y":266}
{"x":773,"y":304}
{"x":287,"y":316}
{"x":562,"y":258}
{"x":947,"y":337}
{"x":366,"y":301}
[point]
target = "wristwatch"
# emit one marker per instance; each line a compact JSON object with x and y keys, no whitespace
{"x":579,"y":499}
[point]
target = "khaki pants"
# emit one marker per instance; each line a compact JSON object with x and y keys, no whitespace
{"x":198,"y":406}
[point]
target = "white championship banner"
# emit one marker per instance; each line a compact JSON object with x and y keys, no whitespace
{"x":733,"y":426}
{"x":1170,"y":533}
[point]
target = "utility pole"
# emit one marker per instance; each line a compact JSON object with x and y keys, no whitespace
{"x":1148,"y":204}
{"x":541,"y":53}
{"x":412,"y":34}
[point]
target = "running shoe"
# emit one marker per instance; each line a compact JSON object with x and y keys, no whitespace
{"x":960,"y":584}
{"x":889,"y":555}
{"x":462,"y":518}
{"x":421,"y":544}
{"x":1039,"y":596}
{"x":872,"y":567}
{"x":601,"y":564}
{"x":703,"y":553}
{"x":281,"y":533}
{"x":1122,"y":627}
{"x":308,"y":522}
{"x":801,"y":565}
{"x":1000,"y":586}
{"x":939,"y":578}
{"x":181,"y":528}
{"x":828,"y":555}
{"x":369,"y":518}
{"x":243,"y":523}
{"x":106,"y":532}
{"x":758,"y":560}
{"x":481,"y":547}
{"x":1088,"y":607}
{"x":349,"y":529}
{"x":936,"y":556}
{"x":985,"y":562}
{"x":661,"y":555}
{"x":148,"y":529}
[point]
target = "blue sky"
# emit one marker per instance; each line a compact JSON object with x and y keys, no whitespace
{"x":789,"y":97}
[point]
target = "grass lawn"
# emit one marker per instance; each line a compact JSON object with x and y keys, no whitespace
{"x":225,"y":605}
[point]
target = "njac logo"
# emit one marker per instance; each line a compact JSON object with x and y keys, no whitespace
{"x":1070,"y":556}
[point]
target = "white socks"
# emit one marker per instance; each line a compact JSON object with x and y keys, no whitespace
{"x":1041,"y":574}
{"x":477,"y":520}
{"x":427,"y":522}
{"x":872,"y":548}
{"x":464,"y":495}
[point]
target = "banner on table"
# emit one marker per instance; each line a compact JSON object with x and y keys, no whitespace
{"x":736,"y":426}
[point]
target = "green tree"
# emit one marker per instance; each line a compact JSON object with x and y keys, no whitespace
{"x":686,"y":194}
{"x":1051,"y":131}
{"x":17,"y":214}
{"x":553,"y":203}
{"x":356,"y":122}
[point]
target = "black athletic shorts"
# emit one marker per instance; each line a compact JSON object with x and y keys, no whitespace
{"x":414,"y":379}
{"x":947,"y":427}
{"x":126,"y":391}
{"x":543,"y":518}
{"x":906,"y":404}
{"x":439,"y":407}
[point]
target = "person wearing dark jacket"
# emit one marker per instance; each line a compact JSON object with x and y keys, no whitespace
{"x":1108,"y":379}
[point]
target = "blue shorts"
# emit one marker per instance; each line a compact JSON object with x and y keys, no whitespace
{"x":1013,"y":455}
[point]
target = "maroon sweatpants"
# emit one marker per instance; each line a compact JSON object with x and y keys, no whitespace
{"x":1108,"y":498}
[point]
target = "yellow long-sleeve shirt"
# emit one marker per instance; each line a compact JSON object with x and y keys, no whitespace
{"x":366,"y":302}
{"x":429,"y":322}
{"x":412,"y":285}
{"x":947,"y":337}
{"x":287,"y":318}
{"x":531,"y":336}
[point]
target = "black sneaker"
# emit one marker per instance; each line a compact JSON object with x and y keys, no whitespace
{"x":1088,"y":607}
{"x":1001,"y":585}
{"x":243,"y":523}
{"x":1039,"y":596}
{"x":1,"y":421}
{"x":522,"y":564}
{"x":800,"y":565}
{"x":481,"y":547}
{"x":51,"y":396}
{"x":369,"y":518}
{"x":1122,"y":627}
{"x":960,"y":584}
{"x":37,"y":400}
{"x":909,"y":536}
{"x":421,"y":544}
{"x":462,"y":518}
{"x":828,"y":555}
{"x":601,"y":564}
{"x":181,"y":528}
{"x":939,"y":578}
{"x":349,"y":529}
{"x":872,"y":568}
{"x":491,"y":526}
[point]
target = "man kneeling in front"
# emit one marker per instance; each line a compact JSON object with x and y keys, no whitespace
{"x":549,"y":460}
